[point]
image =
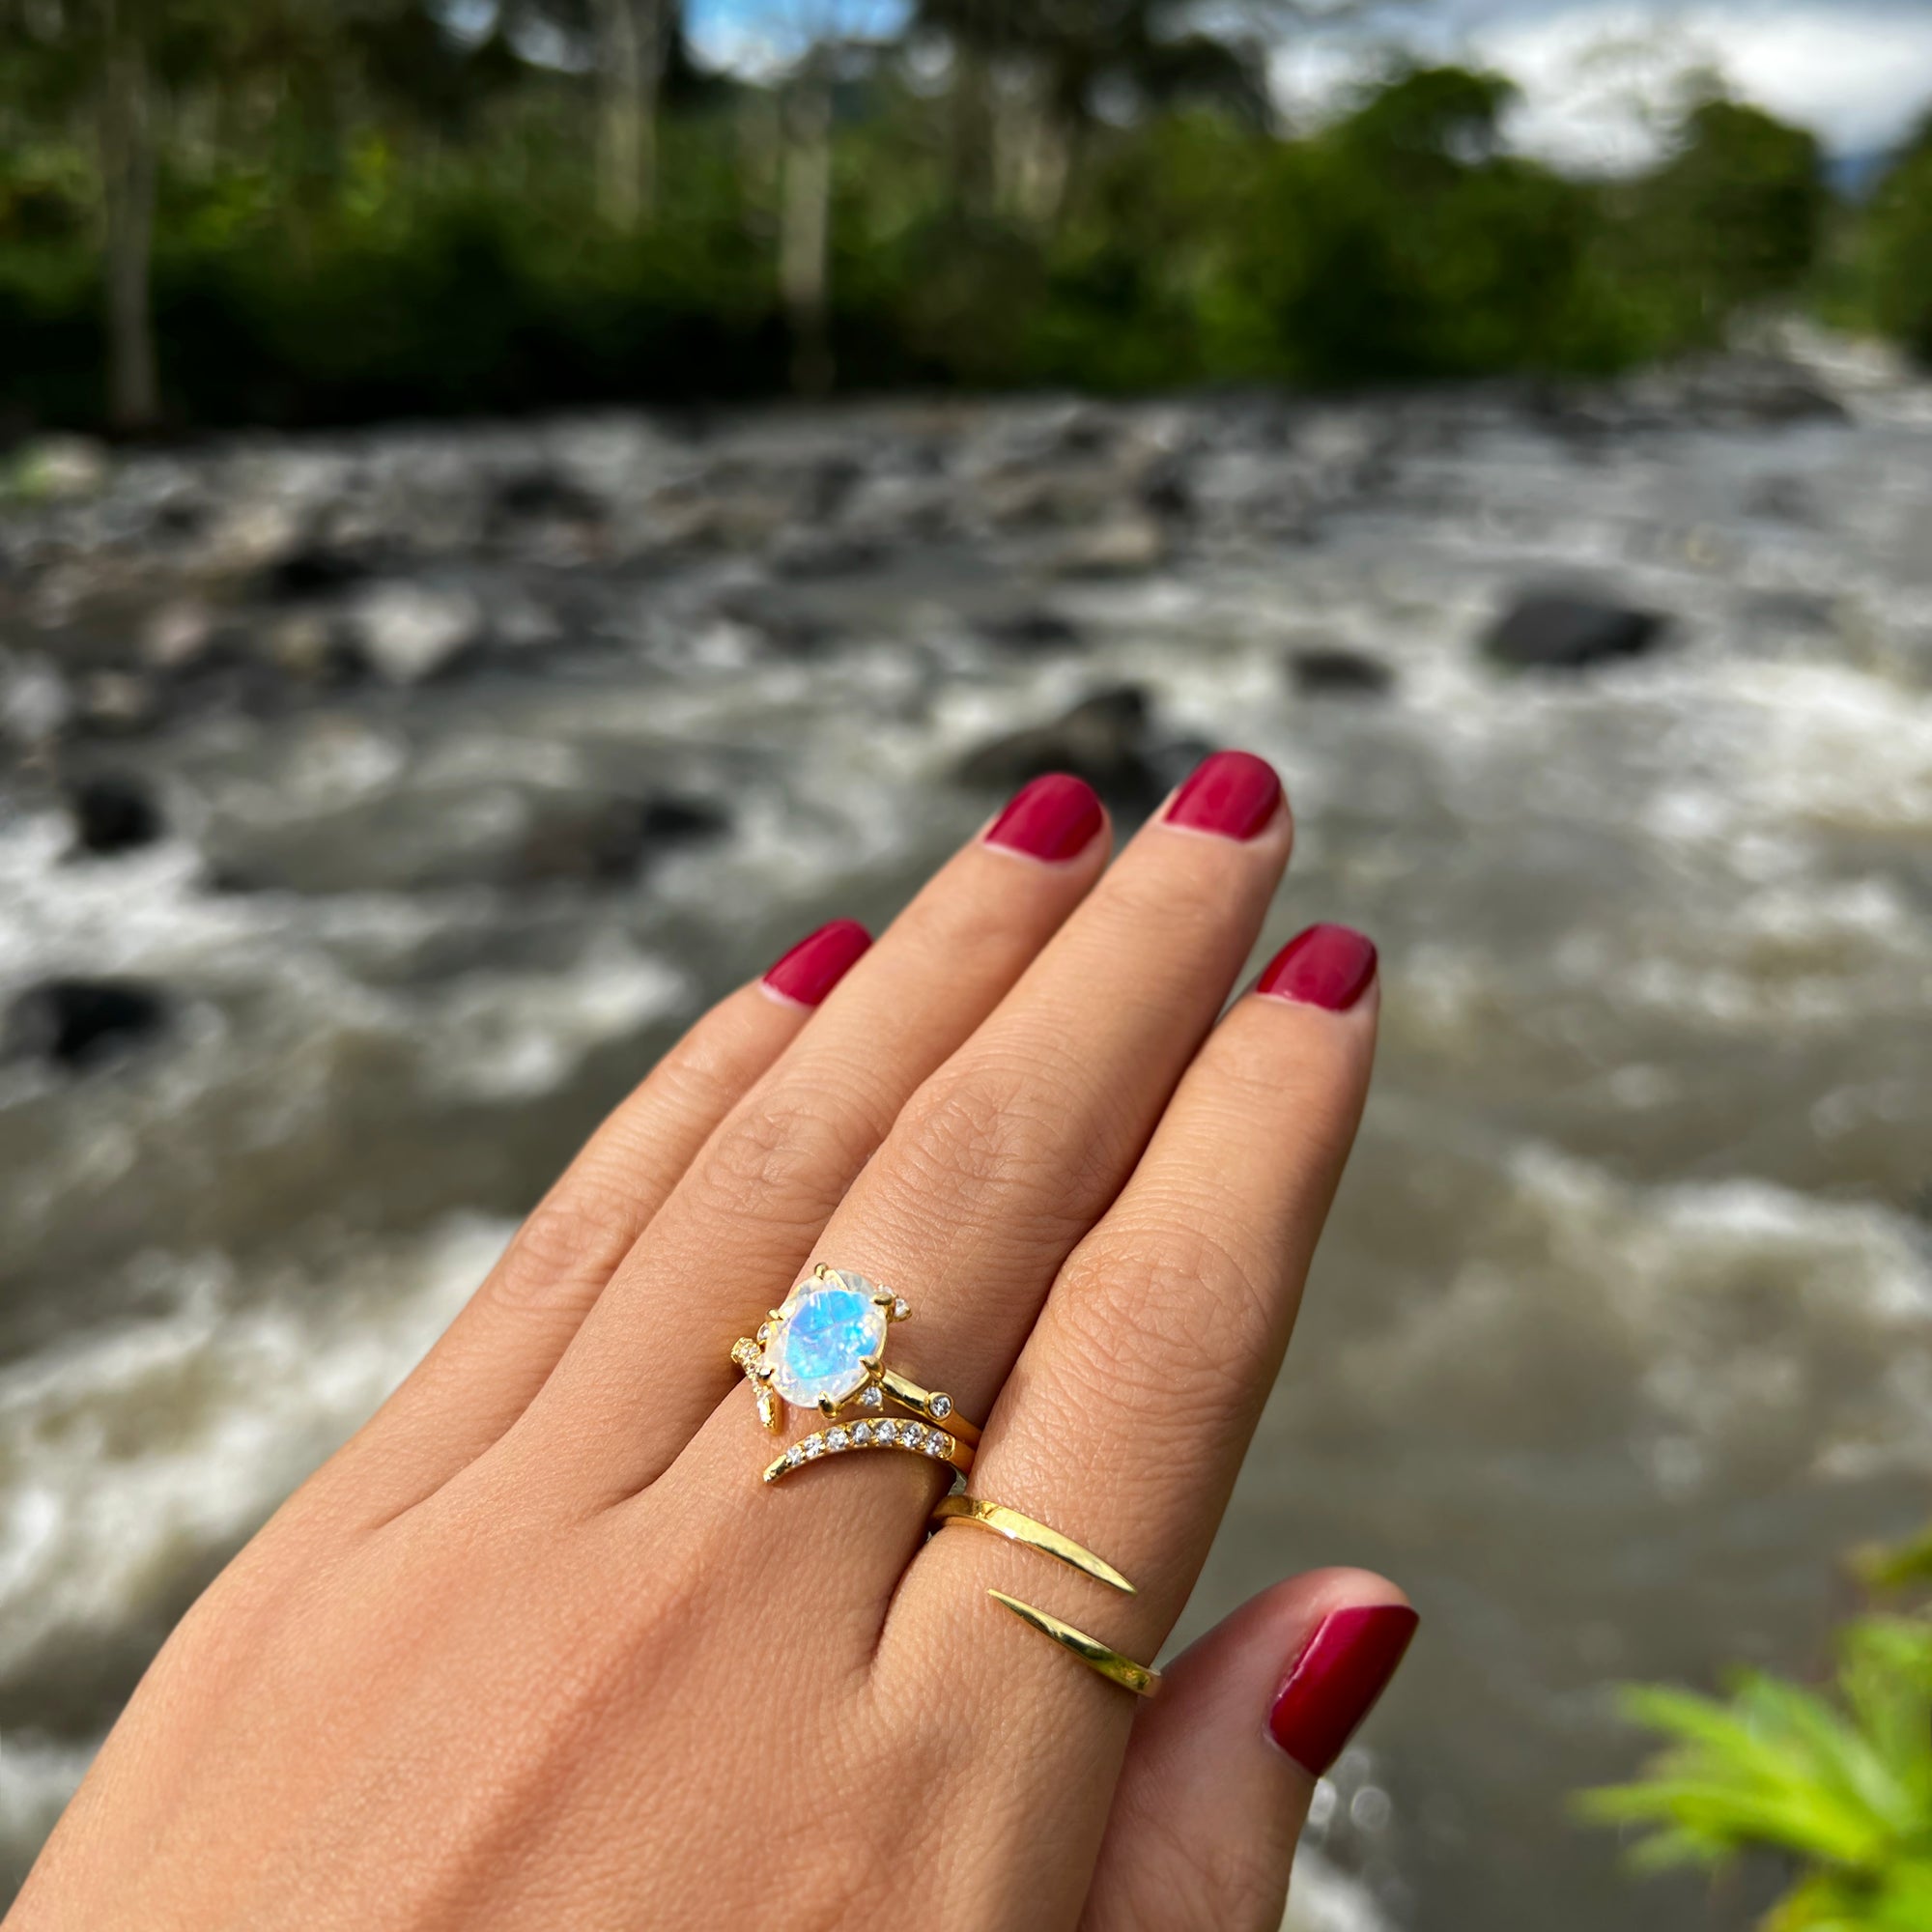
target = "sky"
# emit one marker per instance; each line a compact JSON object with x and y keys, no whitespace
{"x":1593,"y":74}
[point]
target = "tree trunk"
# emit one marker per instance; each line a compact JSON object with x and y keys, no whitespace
{"x":128,"y":195}
{"x":805,"y":232}
{"x":630,"y":61}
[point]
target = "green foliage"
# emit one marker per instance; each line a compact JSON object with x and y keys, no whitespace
{"x":356,"y":217}
{"x":1839,"y":1782}
{"x":1891,"y":266}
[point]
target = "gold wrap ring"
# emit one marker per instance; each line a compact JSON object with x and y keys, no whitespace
{"x":1018,"y":1527}
{"x":825,"y":1348}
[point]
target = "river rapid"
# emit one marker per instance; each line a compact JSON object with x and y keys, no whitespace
{"x":483,"y":758}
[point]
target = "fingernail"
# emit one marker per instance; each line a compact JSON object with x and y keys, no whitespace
{"x":1333,"y":1684}
{"x":1329,"y":966}
{"x":1233,"y":794}
{"x":818,"y":962}
{"x":1052,"y":818}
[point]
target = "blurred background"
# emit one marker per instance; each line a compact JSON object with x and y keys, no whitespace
{"x":510,"y":513}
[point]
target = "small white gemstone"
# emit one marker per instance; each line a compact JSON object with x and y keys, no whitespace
{"x":887,"y":1431}
{"x":795,"y":1454}
{"x":764,"y":1331}
{"x":912,"y":1436}
{"x":814,"y":1445}
{"x":938,"y":1442}
{"x":836,"y":1440}
{"x":870,"y":1398}
{"x":861,"y":1435}
{"x":940,"y":1405}
{"x":900,"y":1309}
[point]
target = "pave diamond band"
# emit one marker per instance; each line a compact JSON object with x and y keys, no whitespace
{"x":889,"y":1433}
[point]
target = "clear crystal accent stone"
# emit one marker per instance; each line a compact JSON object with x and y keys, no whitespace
{"x":814,"y":1445}
{"x":887,"y":1431}
{"x":941,"y":1406}
{"x":900,"y":1309}
{"x":795,"y":1454}
{"x":836,"y":1440}
{"x":861,"y":1435}
{"x":869,"y":1398}
{"x":938,"y":1442}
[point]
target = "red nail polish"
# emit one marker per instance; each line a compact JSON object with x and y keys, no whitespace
{"x":1330,"y":966}
{"x":1333,"y":1684}
{"x":1053,"y":818}
{"x":1232,"y":794}
{"x":818,"y":962}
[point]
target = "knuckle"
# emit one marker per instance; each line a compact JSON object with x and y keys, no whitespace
{"x":1152,"y":1314}
{"x":986,"y":1124}
{"x":791,"y":1146}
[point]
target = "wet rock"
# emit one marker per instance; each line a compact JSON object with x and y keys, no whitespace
{"x":612,"y":841}
{"x":1124,"y":546}
{"x":1029,"y":630}
{"x":314,"y":570}
{"x":1559,"y":631}
{"x":545,"y":496}
{"x":113,"y":813}
{"x":817,"y":554}
{"x":37,"y":704}
{"x":1105,"y":739}
{"x":178,"y":634}
{"x":408,"y":632}
{"x":83,"y":1023}
{"x":1329,"y":670}
{"x":119,"y":703}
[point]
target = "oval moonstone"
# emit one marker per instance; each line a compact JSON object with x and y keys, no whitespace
{"x":832,"y":1328}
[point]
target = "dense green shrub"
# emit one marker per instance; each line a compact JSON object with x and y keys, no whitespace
{"x":364,"y":273}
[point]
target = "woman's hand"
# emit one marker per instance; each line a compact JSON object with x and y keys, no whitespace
{"x":539,"y":1648}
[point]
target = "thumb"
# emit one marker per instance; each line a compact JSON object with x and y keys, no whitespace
{"x":1223,"y":1762}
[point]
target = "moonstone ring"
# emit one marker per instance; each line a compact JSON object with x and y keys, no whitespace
{"x":825,"y":1348}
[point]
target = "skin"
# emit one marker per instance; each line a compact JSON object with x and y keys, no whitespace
{"x":536,"y":1648}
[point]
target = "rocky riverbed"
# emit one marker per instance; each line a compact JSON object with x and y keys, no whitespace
{"x":374,"y":807}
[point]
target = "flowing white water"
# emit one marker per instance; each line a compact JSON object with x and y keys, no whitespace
{"x":1623,"y":1329}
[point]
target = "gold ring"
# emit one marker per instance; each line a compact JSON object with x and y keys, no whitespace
{"x":1138,"y":1678}
{"x":1017,"y":1528}
{"x":825,"y":1350}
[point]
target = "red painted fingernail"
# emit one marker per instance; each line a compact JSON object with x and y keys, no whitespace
{"x":1053,"y":818}
{"x":818,"y":962}
{"x":1333,"y":1684}
{"x":1232,"y":794}
{"x":1329,"y":966}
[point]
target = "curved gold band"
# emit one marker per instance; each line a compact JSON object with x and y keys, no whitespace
{"x":934,"y":1403}
{"x":1015,"y":1527}
{"x":1138,"y":1678}
{"x":913,"y":1439}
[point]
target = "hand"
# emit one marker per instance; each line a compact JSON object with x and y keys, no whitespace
{"x":539,"y":1649}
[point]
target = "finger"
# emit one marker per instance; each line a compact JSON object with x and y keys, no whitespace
{"x":1007,"y":1156}
{"x":1222,"y":1764}
{"x":1130,"y":1411}
{"x":493,"y":1359}
{"x":651,"y":1361}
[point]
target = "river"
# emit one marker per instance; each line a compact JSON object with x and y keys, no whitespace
{"x":484,"y":757}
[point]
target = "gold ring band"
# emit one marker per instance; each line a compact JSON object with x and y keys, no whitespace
{"x":1016,"y":1528}
{"x":1138,"y":1678}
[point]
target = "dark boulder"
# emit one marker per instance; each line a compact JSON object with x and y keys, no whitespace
{"x":1036,"y":628}
{"x":113,"y":813}
{"x":83,"y":1023}
{"x":1328,"y":671}
{"x":1105,"y":739}
{"x":543,"y":495}
{"x":1558,"y":631}
{"x":314,"y":570}
{"x":612,"y":842}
